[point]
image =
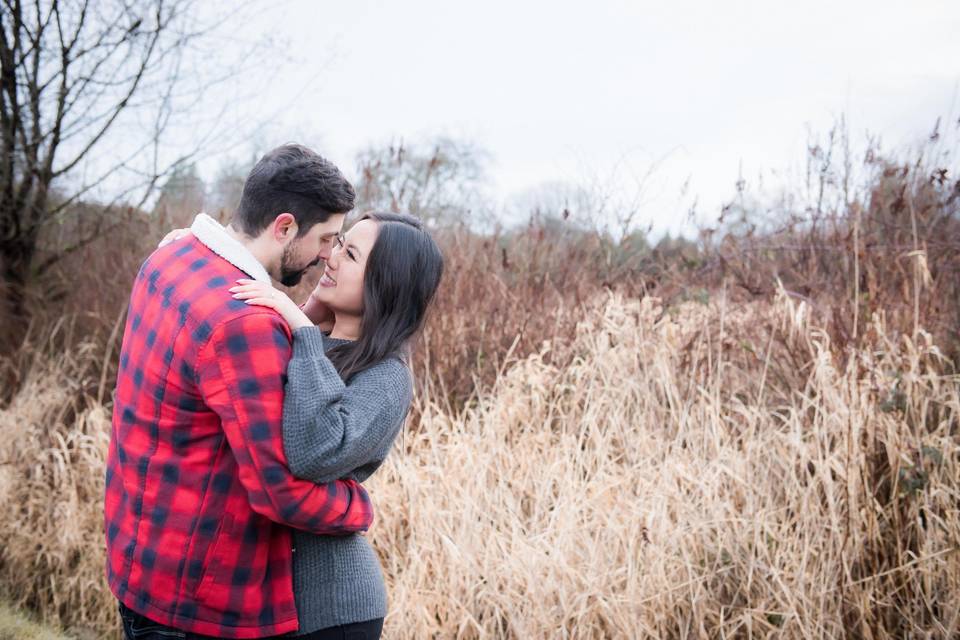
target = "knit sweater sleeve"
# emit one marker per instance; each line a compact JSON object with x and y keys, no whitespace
{"x":330,"y":428}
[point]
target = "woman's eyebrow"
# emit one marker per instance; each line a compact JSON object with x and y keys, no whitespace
{"x":348,"y":245}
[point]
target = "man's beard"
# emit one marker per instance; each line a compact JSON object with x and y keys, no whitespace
{"x":290,"y":276}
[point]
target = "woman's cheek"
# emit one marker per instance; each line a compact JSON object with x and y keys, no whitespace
{"x":356,"y":293}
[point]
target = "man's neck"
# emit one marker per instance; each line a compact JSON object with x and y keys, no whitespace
{"x":254,"y":246}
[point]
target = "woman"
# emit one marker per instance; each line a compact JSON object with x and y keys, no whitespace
{"x":347,"y":393}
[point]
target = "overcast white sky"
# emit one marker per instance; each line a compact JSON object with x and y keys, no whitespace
{"x":578,"y":90}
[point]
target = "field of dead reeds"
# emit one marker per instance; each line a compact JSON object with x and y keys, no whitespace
{"x":720,"y":441}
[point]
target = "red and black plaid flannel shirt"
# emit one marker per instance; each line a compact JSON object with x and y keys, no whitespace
{"x":198,"y":493}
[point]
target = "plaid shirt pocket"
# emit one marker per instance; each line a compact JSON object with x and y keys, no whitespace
{"x":228,"y":564}
{"x":212,"y":562}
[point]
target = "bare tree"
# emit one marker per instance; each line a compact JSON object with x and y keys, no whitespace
{"x":439,"y":181}
{"x":73,"y":72}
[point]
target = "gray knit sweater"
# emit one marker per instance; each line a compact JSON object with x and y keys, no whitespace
{"x":330,"y":431}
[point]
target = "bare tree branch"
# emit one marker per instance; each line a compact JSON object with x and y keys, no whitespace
{"x":73,"y":71}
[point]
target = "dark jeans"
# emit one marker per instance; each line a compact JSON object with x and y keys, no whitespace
{"x":138,"y":627}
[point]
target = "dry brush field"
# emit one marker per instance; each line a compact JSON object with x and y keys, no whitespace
{"x":708,"y":470}
{"x":732,"y":443}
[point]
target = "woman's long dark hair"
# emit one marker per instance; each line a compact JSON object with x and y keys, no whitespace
{"x":402,"y":275}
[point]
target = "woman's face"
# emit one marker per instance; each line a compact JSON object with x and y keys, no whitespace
{"x":341,"y":287}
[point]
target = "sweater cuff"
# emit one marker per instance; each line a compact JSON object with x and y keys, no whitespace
{"x":308,"y":342}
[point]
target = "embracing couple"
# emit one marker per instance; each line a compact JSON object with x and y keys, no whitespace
{"x":243,"y":424}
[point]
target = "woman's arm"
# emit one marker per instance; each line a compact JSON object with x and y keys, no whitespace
{"x":330,"y":429}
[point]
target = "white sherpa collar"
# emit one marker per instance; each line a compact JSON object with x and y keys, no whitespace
{"x":212,"y":233}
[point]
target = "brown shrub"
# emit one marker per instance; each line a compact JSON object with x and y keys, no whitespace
{"x":746,"y":457}
{"x":892,"y":247}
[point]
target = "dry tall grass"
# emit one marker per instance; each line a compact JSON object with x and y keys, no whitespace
{"x":699,"y":471}
{"x":584,"y":461}
{"x":54,"y":435}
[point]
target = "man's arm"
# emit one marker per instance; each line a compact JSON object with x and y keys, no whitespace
{"x":241,"y":372}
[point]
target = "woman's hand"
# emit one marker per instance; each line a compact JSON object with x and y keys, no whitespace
{"x":319,"y":313}
{"x":176,"y":234}
{"x":264,"y":295}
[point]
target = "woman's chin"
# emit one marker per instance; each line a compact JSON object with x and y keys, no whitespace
{"x":323,"y":295}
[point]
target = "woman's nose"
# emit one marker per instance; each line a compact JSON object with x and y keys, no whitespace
{"x":334,"y":258}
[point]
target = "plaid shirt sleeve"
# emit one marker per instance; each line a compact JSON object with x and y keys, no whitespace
{"x":241,"y":371}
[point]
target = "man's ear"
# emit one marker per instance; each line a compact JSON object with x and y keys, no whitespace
{"x":284,"y":227}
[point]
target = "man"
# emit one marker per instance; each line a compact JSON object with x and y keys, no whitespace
{"x":199,"y":497}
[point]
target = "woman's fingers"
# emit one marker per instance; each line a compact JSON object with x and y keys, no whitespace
{"x":251,"y":284}
{"x":167,"y":239}
{"x":253,"y":292}
{"x":244,"y":294}
{"x":259,"y":293}
{"x":176,"y":234}
{"x":263,"y":302}
{"x":255,"y":287}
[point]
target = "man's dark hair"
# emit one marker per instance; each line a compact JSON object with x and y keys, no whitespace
{"x":292,"y":179}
